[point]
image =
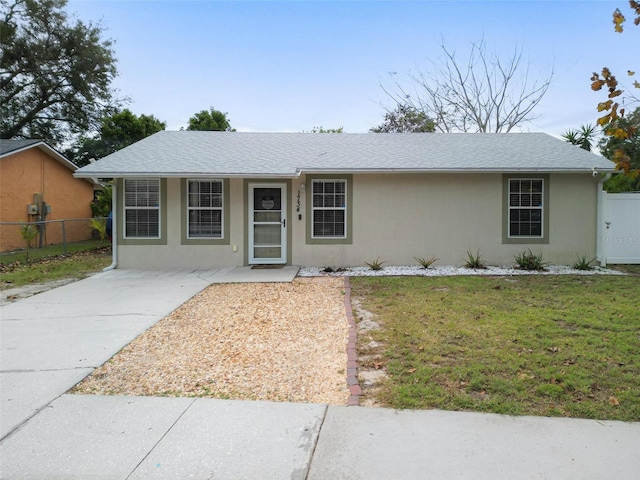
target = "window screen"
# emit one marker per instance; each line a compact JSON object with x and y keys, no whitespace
{"x":329,"y":204}
{"x":525,"y":207}
{"x":142,"y":208}
{"x":204,"y":209}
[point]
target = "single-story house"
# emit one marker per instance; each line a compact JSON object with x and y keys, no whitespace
{"x":192,"y":199}
{"x":37,"y":184}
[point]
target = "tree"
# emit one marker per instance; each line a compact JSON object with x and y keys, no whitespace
{"x":405,"y":119}
{"x":482,"y":93}
{"x":55,"y":75}
{"x":613,"y":113}
{"x":612,"y":146}
{"x":210,"y":120}
{"x":321,"y":129}
{"x":116,"y":132}
{"x":101,"y":206}
{"x":583,"y":137}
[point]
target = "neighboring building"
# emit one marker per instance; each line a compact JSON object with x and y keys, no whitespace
{"x":208,"y":199}
{"x":37,"y":183}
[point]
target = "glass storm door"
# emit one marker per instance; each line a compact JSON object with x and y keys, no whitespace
{"x":267,"y":223}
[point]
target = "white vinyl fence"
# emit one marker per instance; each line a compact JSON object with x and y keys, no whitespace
{"x":621,"y":229}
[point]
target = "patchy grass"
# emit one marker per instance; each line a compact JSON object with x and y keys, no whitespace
{"x":51,"y":264}
{"x":539,"y":345}
{"x":17,"y":257}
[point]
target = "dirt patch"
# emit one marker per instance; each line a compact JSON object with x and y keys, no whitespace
{"x":9,"y":294}
{"x":371,"y":371}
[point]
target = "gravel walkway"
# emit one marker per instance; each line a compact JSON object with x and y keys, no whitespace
{"x":279,"y":342}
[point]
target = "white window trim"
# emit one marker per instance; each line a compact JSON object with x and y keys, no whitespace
{"x":125,"y":208}
{"x":314,"y":209}
{"x":541,"y":207}
{"x":221,"y":208}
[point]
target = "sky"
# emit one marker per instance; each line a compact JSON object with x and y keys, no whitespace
{"x":290,"y":66}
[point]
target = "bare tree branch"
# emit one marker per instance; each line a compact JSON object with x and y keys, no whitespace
{"x":482,"y":94}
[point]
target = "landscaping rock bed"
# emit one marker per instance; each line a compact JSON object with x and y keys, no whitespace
{"x":448,"y":270}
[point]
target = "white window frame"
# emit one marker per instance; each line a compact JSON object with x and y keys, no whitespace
{"x":530,"y":207}
{"x":127,"y":208}
{"x":220,"y":208}
{"x":315,"y":209}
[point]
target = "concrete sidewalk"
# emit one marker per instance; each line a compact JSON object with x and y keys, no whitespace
{"x":52,"y":340}
{"x":79,"y":437}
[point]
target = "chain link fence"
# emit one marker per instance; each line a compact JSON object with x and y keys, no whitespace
{"x":69,"y":234}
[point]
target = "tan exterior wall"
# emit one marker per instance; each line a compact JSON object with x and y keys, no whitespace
{"x":395,"y":217}
{"x":32,"y":172}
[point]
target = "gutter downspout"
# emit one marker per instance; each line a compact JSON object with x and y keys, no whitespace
{"x":114,"y":230}
{"x":602,"y":195}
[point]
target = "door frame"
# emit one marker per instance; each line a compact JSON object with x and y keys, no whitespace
{"x":285,"y":205}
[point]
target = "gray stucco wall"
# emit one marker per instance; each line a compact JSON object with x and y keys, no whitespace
{"x":395,"y":217}
{"x":446,"y":215}
{"x":174,"y":254}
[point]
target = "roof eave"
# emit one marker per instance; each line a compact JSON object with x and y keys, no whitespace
{"x":22,"y":149}
{"x":327,"y":171}
{"x":183,"y":175}
{"x":456,"y":170}
{"x":42,"y":145}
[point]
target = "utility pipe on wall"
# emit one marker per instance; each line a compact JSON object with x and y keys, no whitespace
{"x":114,"y":230}
{"x":600,"y":256}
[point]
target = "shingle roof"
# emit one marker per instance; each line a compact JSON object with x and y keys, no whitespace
{"x":10,"y":146}
{"x":193,"y":153}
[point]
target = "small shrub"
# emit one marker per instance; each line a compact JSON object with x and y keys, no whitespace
{"x":474,"y":262}
{"x":100,"y":226}
{"x":376,"y":264}
{"x":582,"y":263}
{"x":28,"y":232}
{"x":528,"y":260}
{"x":101,"y":206}
{"x":426,"y":262}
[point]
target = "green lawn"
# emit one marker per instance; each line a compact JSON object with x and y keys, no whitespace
{"x":523,"y":345}
{"x":50,"y":263}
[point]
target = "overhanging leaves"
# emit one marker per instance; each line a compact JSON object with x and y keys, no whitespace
{"x":55,"y":75}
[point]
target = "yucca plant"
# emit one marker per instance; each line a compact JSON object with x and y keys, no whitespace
{"x":582,"y":263}
{"x":375,"y":264}
{"x":474,"y":261}
{"x":426,"y":262}
{"x":528,"y":260}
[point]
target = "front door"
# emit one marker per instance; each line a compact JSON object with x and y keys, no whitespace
{"x":267,"y":223}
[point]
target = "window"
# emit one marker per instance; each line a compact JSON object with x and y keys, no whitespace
{"x":526,"y":207}
{"x":204,"y":208}
{"x":329,"y":208}
{"x":142,"y":208}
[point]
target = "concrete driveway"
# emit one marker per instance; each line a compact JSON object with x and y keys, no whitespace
{"x":51,"y":341}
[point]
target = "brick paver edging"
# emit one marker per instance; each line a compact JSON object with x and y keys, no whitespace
{"x":355,"y":392}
